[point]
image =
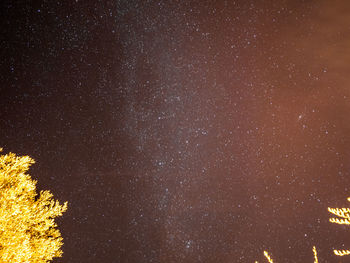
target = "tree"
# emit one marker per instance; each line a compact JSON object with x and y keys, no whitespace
{"x":28,"y":231}
{"x":343,"y":215}
{"x":343,"y":218}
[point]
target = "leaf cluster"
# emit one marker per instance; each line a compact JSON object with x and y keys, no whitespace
{"x":28,"y":231}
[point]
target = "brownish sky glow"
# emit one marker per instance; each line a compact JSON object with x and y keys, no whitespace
{"x":183,"y":131}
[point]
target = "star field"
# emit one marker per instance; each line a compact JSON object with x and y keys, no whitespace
{"x":183,"y":131}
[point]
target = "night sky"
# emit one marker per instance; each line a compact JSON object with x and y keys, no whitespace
{"x":183,"y":131}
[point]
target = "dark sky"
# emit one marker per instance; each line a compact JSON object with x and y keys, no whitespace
{"x":183,"y":131}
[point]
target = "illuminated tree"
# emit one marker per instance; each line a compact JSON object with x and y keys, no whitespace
{"x":343,"y":215}
{"x":28,"y":232}
{"x":343,"y":218}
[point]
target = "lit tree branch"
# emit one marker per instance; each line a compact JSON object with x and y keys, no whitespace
{"x":344,"y":219}
{"x":315,"y":254}
{"x":268,"y":257}
{"x":341,"y":252}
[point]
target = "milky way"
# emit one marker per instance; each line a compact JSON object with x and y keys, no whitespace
{"x":183,"y":131}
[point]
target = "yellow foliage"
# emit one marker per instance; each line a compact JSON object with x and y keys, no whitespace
{"x":28,"y":232}
{"x":266,"y":254}
{"x":315,"y":254}
{"x":341,"y":252}
{"x":268,"y":257}
{"x":344,"y":214}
